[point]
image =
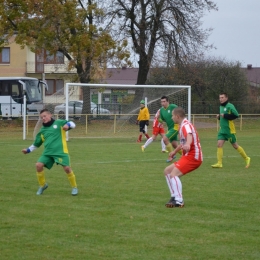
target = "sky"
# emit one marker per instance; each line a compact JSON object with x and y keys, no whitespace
{"x":236,"y":32}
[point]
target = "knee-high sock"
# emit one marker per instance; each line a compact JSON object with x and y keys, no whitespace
{"x":242,"y":152}
{"x":169,"y":147}
{"x":168,"y":180}
{"x":72,"y":179}
{"x":163,"y":145}
{"x":150,"y":140}
{"x":147,"y":136}
{"x":177,"y":187}
{"x":41,"y":178}
{"x":220,"y":154}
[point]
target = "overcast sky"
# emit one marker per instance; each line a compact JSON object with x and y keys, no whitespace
{"x":236,"y":32}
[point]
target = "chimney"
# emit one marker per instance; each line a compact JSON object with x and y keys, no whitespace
{"x":249,"y":66}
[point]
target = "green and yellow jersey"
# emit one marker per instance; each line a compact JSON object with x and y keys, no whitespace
{"x":166,"y":116}
{"x":227,"y":125}
{"x":54,"y":139}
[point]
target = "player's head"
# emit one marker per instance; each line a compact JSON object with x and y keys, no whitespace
{"x":178,"y":114}
{"x":164,"y":101}
{"x":142,"y":103}
{"x":223,"y":97}
{"x":45,"y":115}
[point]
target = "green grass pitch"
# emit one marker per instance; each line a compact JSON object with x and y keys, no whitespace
{"x":119,"y":212}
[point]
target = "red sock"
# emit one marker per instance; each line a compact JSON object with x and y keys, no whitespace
{"x":140,"y":138}
{"x":147,"y":136}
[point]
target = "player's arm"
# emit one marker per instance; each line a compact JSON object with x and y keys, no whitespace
{"x":230,"y":116}
{"x":160,"y":118}
{"x":189,"y":139}
{"x":175,"y":151}
{"x":29,"y":149}
{"x":69,"y":125}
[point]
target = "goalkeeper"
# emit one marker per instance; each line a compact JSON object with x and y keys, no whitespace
{"x":227,"y":131}
{"x":53,"y":135}
{"x":143,"y":120}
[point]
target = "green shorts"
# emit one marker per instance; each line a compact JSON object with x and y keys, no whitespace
{"x":172,"y":135}
{"x":48,"y":160}
{"x":227,"y":137}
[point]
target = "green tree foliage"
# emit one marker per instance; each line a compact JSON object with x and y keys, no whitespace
{"x":207,"y":79}
{"x":70,"y":27}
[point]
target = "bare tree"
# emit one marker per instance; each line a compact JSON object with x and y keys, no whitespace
{"x":157,"y":26}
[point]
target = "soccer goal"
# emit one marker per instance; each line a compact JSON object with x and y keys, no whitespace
{"x":114,"y":107}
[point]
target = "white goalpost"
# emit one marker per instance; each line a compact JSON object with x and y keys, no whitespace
{"x":178,"y":94}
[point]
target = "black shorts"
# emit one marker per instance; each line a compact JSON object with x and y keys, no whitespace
{"x":142,"y":125}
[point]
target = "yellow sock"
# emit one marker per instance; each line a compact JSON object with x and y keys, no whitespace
{"x":41,"y":178}
{"x":72,"y":179}
{"x":180,"y":152}
{"x":242,"y":152}
{"x":169,"y":147}
{"x":220,"y":154}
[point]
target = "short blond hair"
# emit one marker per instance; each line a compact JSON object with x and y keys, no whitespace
{"x":179,"y":111}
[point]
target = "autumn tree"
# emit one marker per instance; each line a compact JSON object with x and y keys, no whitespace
{"x":70,"y":27}
{"x":207,"y":78}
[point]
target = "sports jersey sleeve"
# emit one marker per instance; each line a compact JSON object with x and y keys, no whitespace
{"x":39,"y":139}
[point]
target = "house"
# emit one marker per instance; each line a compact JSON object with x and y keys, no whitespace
{"x":253,"y":77}
{"x":15,"y":61}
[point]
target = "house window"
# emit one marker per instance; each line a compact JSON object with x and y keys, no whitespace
{"x":44,"y":57}
{"x":57,"y":58}
{"x":5,"y":56}
{"x":55,"y":86}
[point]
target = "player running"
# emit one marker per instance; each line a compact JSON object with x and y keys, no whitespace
{"x":158,"y":129}
{"x":52,"y":134}
{"x":227,"y":131}
{"x":171,"y":137}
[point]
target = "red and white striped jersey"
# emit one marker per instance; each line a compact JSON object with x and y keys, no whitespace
{"x":195,"y":148}
{"x":156,"y":122}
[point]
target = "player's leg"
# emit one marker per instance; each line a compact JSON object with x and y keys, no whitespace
{"x":220,"y":143}
{"x":148,"y":142}
{"x":72,"y":179}
{"x":64,"y":161}
{"x":176,"y":170}
{"x":172,"y":174}
{"x":169,"y":183}
{"x":141,"y":131}
{"x":43,"y":161}
{"x":173,"y":137}
{"x":240,"y":150}
{"x":162,"y":133}
{"x":164,"y":149}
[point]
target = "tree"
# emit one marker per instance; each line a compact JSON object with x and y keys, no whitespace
{"x":207,"y":78}
{"x":161,"y":28}
{"x":70,"y":27}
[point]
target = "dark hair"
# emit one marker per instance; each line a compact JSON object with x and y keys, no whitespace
{"x":166,"y":98}
{"x":179,"y":111}
{"x":45,"y":110}
{"x":223,"y":93}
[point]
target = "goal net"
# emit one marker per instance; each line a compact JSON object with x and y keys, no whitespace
{"x":110,"y":110}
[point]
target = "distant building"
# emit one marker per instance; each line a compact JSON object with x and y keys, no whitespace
{"x":253,"y":77}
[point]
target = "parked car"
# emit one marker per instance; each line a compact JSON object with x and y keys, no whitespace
{"x":75,"y":109}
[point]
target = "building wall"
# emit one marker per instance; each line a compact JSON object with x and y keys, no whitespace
{"x":17,"y":65}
